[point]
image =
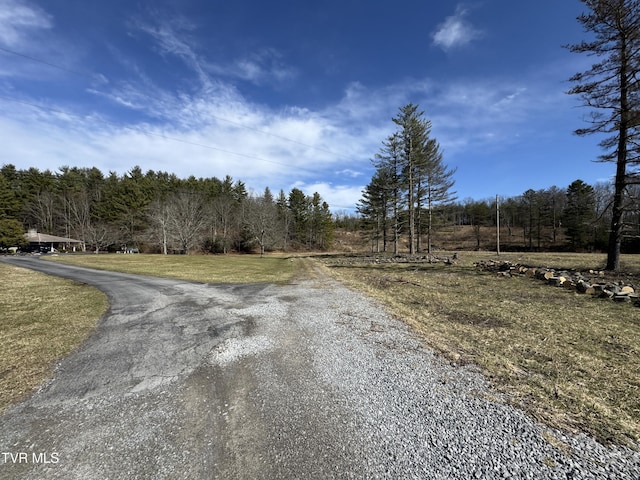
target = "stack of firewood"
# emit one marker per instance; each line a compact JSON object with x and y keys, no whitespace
{"x":592,"y":282}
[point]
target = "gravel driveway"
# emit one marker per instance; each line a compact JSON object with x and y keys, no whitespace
{"x":190,"y":381}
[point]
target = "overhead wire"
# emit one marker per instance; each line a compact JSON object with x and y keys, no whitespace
{"x":231,"y":122}
{"x":147,"y":132}
{"x":44,"y":62}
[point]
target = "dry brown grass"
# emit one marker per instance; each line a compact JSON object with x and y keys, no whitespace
{"x":567,"y":359}
{"x":43,"y":319}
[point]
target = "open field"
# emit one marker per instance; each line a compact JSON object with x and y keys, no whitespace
{"x":569,"y":360}
{"x":199,"y":268}
{"x":43,"y":319}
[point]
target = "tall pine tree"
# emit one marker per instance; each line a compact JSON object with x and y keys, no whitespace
{"x":410,"y":177}
{"x":610,"y":90}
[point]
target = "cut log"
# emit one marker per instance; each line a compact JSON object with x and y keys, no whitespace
{"x":582,"y":287}
{"x":556,"y":281}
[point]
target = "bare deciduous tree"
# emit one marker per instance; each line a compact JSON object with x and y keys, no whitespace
{"x":186,"y":218}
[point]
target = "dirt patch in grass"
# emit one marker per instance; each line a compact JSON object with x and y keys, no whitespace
{"x":43,"y":319}
{"x":569,"y":360}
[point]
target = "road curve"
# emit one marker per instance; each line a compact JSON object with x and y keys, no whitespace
{"x":183,"y":380}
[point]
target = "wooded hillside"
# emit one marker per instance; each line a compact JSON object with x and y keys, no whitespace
{"x":158,"y":212}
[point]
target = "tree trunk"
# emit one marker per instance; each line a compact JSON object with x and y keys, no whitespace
{"x":615,"y":237}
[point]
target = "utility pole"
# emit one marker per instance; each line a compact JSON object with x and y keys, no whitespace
{"x":498,"y":225}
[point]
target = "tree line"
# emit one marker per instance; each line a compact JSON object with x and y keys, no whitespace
{"x":157,"y":211}
{"x":575,"y":218}
{"x":410,"y":196}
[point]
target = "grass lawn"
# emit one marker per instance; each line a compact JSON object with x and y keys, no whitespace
{"x":568,"y":359}
{"x":278,"y":269}
{"x":43,"y":318}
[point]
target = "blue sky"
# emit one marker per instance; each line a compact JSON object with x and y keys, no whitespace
{"x":295,"y":94}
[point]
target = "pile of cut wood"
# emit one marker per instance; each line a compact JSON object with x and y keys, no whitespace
{"x":592,"y":282}
{"x":403,"y":258}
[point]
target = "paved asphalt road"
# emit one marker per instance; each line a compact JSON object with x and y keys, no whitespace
{"x":190,"y":381}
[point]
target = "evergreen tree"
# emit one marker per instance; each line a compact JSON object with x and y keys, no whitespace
{"x":158,"y":209}
{"x":579,"y":214}
{"x":388,"y":183}
{"x":11,"y":233}
{"x":299,"y":208}
{"x":411,"y":175}
{"x":9,"y":203}
{"x":435,"y":183}
{"x":284,"y":218}
{"x":374,"y":207}
{"x":321,"y":225}
{"x":413,"y":131}
{"x":610,"y":89}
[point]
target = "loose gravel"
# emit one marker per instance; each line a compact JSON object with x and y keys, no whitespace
{"x":303,"y":381}
{"x":417,"y":416}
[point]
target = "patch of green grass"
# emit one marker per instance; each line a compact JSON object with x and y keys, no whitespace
{"x":277,"y":269}
{"x":568,"y":359}
{"x":43,"y":319}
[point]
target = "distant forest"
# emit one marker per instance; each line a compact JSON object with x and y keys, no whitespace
{"x":411,"y":196}
{"x":575,"y":218}
{"x":158,"y":212}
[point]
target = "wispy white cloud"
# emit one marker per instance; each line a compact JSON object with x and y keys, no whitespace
{"x":173,"y":36}
{"x":177,"y":37}
{"x":215,"y":135}
{"x":264,"y":66}
{"x":348,"y":172}
{"x":327,"y":150}
{"x":206,"y":127}
{"x":195,"y":135}
{"x":20,"y":19}
{"x":32,"y":49}
{"x":455,"y":31}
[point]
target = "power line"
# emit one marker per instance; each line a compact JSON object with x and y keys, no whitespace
{"x":274,"y":135}
{"x":53,"y":65}
{"x":147,"y":132}
{"x":237,"y":124}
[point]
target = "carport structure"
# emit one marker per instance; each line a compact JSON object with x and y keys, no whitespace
{"x":50,"y":242}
